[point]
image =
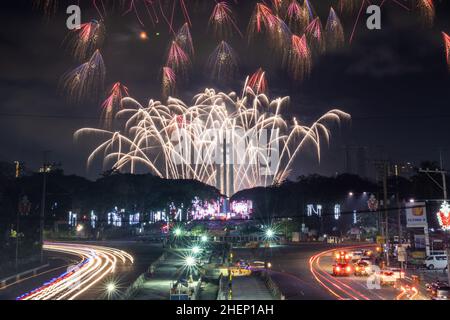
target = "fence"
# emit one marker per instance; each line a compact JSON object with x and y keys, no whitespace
{"x":272,"y":286}
{"x":16,"y":277}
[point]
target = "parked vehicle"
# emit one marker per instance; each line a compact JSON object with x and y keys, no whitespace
{"x":436,"y":262}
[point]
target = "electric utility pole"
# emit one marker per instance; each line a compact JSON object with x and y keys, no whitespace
{"x":44,"y":170}
{"x":442,"y":186}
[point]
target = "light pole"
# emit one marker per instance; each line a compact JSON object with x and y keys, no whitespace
{"x":44,"y":169}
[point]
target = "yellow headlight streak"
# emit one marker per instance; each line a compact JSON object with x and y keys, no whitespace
{"x":96,"y":263}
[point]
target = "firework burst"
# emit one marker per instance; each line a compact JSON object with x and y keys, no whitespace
{"x":447,"y":47}
{"x":299,"y":61}
{"x":315,"y":35}
{"x":297,"y":17}
{"x":169,"y":82}
{"x":160,"y":138}
{"x":184,"y":39}
{"x":257,"y":83}
{"x":177,"y":59}
{"x":222,"y":21}
{"x":427,"y":11}
{"x":86,"y":80}
{"x":85,"y":40}
{"x":334,"y":31}
{"x":222,"y":64}
{"x":113,"y":104}
{"x":262,"y":19}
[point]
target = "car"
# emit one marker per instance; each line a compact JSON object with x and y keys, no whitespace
{"x":342,"y":269}
{"x":436,"y":262}
{"x":342,"y":257}
{"x":398,"y":273}
{"x":356,"y":255}
{"x":362,"y":268}
{"x":386,"y":277}
{"x":366,"y":259}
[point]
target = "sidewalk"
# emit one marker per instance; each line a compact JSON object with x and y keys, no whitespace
{"x":157,"y":287}
{"x":250,"y":288}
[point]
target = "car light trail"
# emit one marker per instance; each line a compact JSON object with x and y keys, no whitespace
{"x":337,"y":288}
{"x":96,"y":263}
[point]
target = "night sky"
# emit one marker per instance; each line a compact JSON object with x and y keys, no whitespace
{"x":394,"y":82}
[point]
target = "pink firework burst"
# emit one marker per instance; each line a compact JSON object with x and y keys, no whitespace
{"x":177,"y":59}
{"x":315,"y":35}
{"x":427,"y":11}
{"x":113,"y":103}
{"x":299,"y":61}
{"x":447,"y":48}
{"x":257,"y":83}
{"x":262,"y":17}
{"x":297,"y":16}
{"x":222,"y":64}
{"x":223,"y":21}
{"x":85,"y":40}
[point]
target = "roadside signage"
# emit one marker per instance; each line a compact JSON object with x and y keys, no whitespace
{"x":416,"y":215}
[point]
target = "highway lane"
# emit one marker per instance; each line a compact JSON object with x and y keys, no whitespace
{"x":304,"y":272}
{"x":95,"y":264}
{"x":353,"y":287}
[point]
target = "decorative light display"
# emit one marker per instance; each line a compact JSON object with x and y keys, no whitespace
{"x":316,"y":210}
{"x":115,"y":217}
{"x":135,"y":219}
{"x":337,"y":211}
{"x":94,"y":219}
{"x":372,"y":203}
{"x":72,"y":219}
{"x":444,"y":216}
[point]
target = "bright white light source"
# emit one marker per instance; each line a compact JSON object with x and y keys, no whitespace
{"x":190,"y":261}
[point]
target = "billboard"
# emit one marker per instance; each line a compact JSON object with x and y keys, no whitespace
{"x":416,"y":215}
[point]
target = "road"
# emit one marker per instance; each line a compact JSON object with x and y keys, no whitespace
{"x":83,"y":270}
{"x":304,"y":272}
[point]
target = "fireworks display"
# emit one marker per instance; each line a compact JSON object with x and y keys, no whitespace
{"x":85,"y":40}
{"x":427,"y":11}
{"x":184,"y":39}
{"x":112,"y":104}
{"x":297,"y":16}
{"x":299,"y":60}
{"x":87,"y":80}
{"x":222,"y":63}
{"x":293,"y":32}
{"x":222,"y":21}
{"x":177,"y":59}
{"x":258,"y":82}
{"x":169,"y":82}
{"x":174,"y":141}
{"x":315,"y":35}
{"x":334,"y":31}
{"x":447,"y":48}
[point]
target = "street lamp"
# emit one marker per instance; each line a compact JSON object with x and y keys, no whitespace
{"x":190,"y":261}
{"x":177,"y":232}
{"x":196,"y":249}
{"x":111,"y":287}
{"x":204,"y":238}
{"x":270,"y":233}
